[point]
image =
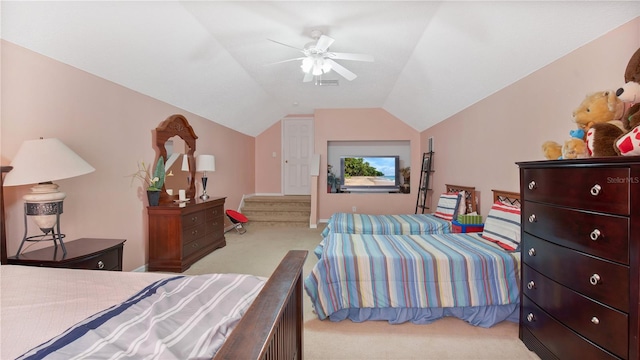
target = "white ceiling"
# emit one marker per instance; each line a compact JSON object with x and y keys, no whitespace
{"x":432,"y":58}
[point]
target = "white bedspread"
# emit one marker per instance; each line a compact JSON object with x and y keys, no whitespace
{"x":28,"y":293}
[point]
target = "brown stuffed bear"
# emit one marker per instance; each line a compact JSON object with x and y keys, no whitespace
{"x":629,"y":143}
{"x":600,"y":116}
{"x":596,"y":108}
{"x":602,"y":108}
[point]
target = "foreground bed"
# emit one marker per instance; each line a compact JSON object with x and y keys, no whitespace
{"x":408,"y":224}
{"x":39,"y":303}
{"x":420,"y":278}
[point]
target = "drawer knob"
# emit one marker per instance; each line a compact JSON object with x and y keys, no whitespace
{"x":194,"y":219}
{"x":595,"y":234}
{"x":595,"y":190}
{"x":532,"y":218}
{"x":531,"y":285}
{"x":532,"y":252}
{"x":530,"y":317}
{"x":595,"y":320}
{"x":194,"y":232}
{"x":532,"y":185}
{"x":594,"y":279}
{"x":100,"y":264}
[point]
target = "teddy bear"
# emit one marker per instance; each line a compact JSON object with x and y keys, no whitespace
{"x":574,"y":148}
{"x":629,"y":143}
{"x":598,"y":107}
{"x":601,"y":116}
{"x":602,"y":107}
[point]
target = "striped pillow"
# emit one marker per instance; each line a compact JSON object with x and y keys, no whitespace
{"x":447,"y":206}
{"x":503,"y":226}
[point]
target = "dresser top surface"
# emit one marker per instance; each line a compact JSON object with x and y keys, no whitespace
{"x":75,"y":249}
{"x":599,"y":161}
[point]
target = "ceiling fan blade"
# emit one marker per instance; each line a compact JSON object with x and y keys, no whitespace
{"x":307,"y":77}
{"x":324,"y":42}
{"x":284,"y":61}
{"x":349,"y":56}
{"x":287,"y":45}
{"x":341,"y":70}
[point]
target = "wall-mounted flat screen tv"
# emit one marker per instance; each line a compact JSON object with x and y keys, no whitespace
{"x":369,"y":173}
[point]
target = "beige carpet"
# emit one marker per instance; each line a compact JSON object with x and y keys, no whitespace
{"x":262,"y":247}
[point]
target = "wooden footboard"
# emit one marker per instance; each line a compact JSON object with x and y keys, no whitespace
{"x":272,"y":327}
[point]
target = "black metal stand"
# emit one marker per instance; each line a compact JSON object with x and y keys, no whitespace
{"x":51,"y":208}
{"x":204,"y":195}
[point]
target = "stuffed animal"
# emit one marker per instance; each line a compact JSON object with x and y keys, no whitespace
{"x":596,"y":108}
{"x":602,"y":136}
{"x":629,"y":143}
{"x":574,"y":148}
{"x":600,"y":116}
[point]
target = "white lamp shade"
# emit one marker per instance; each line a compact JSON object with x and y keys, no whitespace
{"x":185,"y":163}
{"x":205,"y":163}
{"x":44,"y":160}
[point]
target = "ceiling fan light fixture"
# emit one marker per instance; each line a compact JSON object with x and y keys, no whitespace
{"x":307,"y":65}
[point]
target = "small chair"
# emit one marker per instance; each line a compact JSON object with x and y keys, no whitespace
{"x":237,"y":219}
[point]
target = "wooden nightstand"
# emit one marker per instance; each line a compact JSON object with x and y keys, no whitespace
{"x":89,"y":254}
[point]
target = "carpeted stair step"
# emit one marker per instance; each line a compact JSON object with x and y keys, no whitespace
{"x":278,"y":210}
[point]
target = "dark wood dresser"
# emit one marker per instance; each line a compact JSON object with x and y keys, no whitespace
{"x":180,"y":236}
{"x":580,"y":258}
{"x":88,"y":254}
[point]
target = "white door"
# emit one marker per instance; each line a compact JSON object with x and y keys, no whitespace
{"x":297,"y":150}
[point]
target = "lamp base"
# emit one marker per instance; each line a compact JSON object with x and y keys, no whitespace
{"x":47,"y":216}
{"x":204,"y":196}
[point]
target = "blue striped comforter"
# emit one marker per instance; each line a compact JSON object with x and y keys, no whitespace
{"x":184,"y":317}
{"x":411,"y":224}
{"x":358,"y":271}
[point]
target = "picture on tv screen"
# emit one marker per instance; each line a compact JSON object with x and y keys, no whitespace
{"x":369,"y":171}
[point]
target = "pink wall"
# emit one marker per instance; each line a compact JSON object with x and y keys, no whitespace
{"x":111,"y":128}
{"x":268,"y":168}
{"x":362,"y":124}
{"x":480,"y":145}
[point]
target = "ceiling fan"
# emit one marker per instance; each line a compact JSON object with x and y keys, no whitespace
{"x":318,"y":60}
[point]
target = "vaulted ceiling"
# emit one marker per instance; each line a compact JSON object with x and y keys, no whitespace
{"x":214,"y":58}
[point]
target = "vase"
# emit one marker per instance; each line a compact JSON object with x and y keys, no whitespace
{"x":153,"y":197}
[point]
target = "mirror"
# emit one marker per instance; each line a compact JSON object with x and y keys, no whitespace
{"x":177,"y":159}
{"x":177,"y":125}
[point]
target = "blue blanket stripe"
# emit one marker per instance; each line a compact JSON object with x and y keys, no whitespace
{"x":408,"y":224}
{"x":98,"y":319}
{"x":411,"y":271}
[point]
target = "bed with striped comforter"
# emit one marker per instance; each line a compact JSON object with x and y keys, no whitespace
{"x":417,"y":278}
{"x":182,"y":317}
{"x":409,"y":224}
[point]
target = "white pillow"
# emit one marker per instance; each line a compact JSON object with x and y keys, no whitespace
{"x":447,"y":206}
{"x":502,"y":226}
{"x":462,"y":206}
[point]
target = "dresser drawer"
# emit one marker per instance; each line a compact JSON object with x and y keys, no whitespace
{"x":193,"y":219}
{"x":606,"y":236}
{"x":194,"y":232}
{"x":601,"y":324}
{"x":215,"y":213}
{"x":599,"y":279}
{"x":109,"y":260}
{"x":556,"y":337}
{"x":197,"y":245}
{"x":605,"y":190}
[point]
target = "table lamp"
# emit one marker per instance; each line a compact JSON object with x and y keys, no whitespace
{"x":41,"y":162}
{"x":205,"y":163}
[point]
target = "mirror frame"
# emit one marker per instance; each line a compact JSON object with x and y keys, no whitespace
{"x":176,"y":125}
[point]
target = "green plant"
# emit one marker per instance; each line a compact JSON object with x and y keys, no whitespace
{"x":406,"y":172}
{"x":155,"y":181}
